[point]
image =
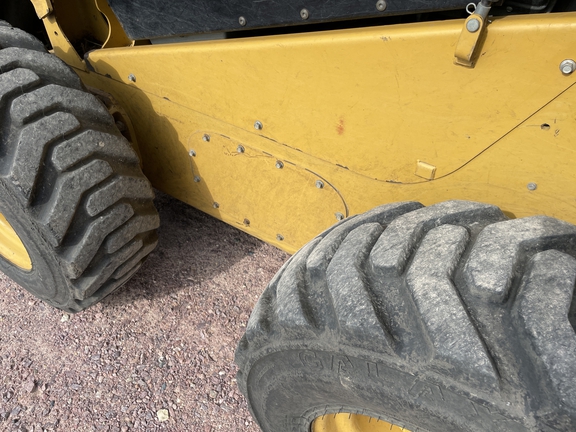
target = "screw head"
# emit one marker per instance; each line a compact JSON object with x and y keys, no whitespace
{"x":192,"y":153}
{"x":381,"y":5}
{"x":531,"y":186}
{"x":215,"y":205}
{"x":242,"y":21}
{"x":279,"y":237}
{"x":206,"y":137}
{"x":246,"y":222}
{"x":196,"y":179}
{"x":279,"y":164}
{"x":473,"y":25}
{"x":339,"y":216}
{"x":567,"y":66}
{"x":319,"y":184}
{"x":258,"y":125}
{"x":132,"y":77}
{"x":304,"y":14}
{"x":240,"y":149}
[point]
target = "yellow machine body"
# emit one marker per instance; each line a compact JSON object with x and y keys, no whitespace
{"x":281,"y":136}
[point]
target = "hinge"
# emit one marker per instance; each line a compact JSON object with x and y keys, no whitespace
{"x":472,"y":33}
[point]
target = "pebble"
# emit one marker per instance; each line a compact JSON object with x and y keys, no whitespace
{"x":65,"y":318}
{"x":162,"y":415}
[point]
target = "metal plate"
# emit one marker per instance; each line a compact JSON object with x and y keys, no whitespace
{"x":143,"y":19}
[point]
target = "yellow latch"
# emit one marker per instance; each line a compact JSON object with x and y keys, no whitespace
{"x":470,"y":38}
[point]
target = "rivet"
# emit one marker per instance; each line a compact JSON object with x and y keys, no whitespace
{"x":215,"y":205}
{"x":339,"y":216}
{"x":567,"y":66}
{"x":242,"y":21}
{"x":319,"y":184}
{"x":132,"y":77}
{"x":304,"y":14}
{"x":240,"y":149}
{"x":246,"y":222}
{"x":473,"y":25}
{"x":206,"y":137}
{"x":279,"y":237}
{"x":196,"y":179}
{"x":279,"y":164}
{"x":532,"y":186}
{"x":192,"y":153}
{"x":381,"y":5}
{"x":258,"y":125}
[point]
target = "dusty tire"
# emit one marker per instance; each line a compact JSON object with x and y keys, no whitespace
{"x":70,"y":184}
{"x":440,"y":318}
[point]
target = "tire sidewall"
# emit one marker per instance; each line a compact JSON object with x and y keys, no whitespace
{"x":293,"y":386}
{"x":44,"y":280}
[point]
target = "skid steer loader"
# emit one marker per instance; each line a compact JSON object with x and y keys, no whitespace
{"x":416,"y":157}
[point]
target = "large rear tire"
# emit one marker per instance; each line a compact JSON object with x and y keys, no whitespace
{"x":71,"y":188}
{"x":440,"y":318}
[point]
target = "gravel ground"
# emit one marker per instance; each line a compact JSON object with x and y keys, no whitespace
{"x":162,"y":346}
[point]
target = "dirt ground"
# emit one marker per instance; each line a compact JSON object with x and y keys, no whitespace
{"x":162,"y":346}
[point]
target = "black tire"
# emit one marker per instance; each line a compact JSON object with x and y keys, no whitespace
{"x":70,"y":184}
{"x":440,"y":318}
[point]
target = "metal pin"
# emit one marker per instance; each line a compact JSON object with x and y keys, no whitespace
{"x":381,"y":5}
{"x":279,"y":164}
{"x":132,"y":77}
{"x":258,"y":125}
{"x":206,"y":137}
{"x":240,"y":149}
{"x":319,"y":184}
{"x":242,"y":21}
{"x":339,"y":216}
{"x":192,"y":153}
{"x":304,"y":14}
{"x":531,"y":186}
{"x":279,"y":237}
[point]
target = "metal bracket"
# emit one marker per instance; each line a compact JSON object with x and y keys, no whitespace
{"x":474,"y":29}
{"x":43,"y":8}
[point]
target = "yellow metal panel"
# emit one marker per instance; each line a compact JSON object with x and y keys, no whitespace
{"x":329,"y":94}
{"x":42,"y":7}
{"x":357,"y":108}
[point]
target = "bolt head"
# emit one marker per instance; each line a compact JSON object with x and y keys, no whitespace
{"x":206,"y":137}
{"x":304,"y":14}
{"x":240,"y":149}
{"x":473,"y":25}
{"x":319,"y":184}
{"x":258,"y":125}
{"x":242,"y":21}
{"x":132,"y":77}
{"x":532,"y":186}
{"x":339,"y":216}
{"x":196,"y":179}
{"x":279,"y":164}
{"x":381,"y":5}
{"x":192,"y":153}
{"x":279,"y":237}
{"x":567,"y":66}
{"x":215,"y":205}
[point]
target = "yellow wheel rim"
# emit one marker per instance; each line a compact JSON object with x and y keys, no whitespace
{"x":11,"y":247}
{"x":345,"y":422}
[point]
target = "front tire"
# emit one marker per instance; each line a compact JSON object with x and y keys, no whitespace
{"x":71,"y":186}
{"x":448,"y":317}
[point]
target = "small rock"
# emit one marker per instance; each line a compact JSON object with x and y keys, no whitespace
{"x":65,"y":318}
{"x":212,"y":394}
{"x":30,"y":386}
{"x":163,"y":415}
{"x":4,"y":415}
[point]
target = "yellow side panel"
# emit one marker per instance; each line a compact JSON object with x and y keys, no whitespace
{"x":364,"y":110}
